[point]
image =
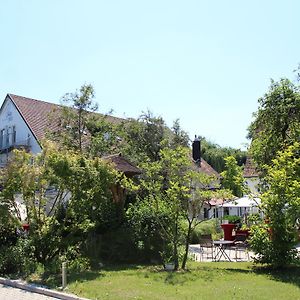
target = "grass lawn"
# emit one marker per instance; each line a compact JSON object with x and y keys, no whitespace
{"x":202,"y":281}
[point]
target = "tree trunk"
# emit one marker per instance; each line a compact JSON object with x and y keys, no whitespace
{"x":187,"y":241}
{"x":175,"y":245}
{"x":175,"y":255}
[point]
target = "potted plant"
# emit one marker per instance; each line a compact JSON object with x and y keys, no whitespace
{"x":169,"y":266}
{"x":168,"y":260}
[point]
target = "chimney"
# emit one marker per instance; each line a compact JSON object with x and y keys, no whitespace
{"x":197,"y":150}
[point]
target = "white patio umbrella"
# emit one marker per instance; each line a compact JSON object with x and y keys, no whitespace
{"x":243,"y":202}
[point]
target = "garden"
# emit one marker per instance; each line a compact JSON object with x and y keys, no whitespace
{"x":118,"y":246}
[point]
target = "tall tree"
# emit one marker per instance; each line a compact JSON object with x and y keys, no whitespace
{"x":277,"y":122}
{"x":178,"y":137}
{"x":80,"y":200}
{"x":171,"y":185}
{"x":232,"y":177}
{"x":274,"y":243}
{"x":75,"y":116}
{"x":215,"y":155}
{"x":142,"y":138}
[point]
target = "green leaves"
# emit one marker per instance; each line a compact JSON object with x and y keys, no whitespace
{"x":233,"y":177}
{"x":277,"y":122}
{"x":215,"y":155}
{"x":281,"y":204}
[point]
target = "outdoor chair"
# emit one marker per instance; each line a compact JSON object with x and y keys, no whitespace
{"x":241,"y":247}
{"x":206,"y":247}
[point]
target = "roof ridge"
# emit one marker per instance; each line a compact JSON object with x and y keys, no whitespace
{"x":64,"y":106}
{"x":39,"y":100}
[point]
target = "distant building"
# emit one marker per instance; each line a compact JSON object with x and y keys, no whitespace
{"x":251,"y":176}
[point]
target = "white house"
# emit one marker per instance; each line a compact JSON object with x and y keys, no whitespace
{"x":25,"y":122}
{"x":217,"y":208}
{"x":251,"y":176}
{"x":15,"y":131}
{"x":240,"y":207}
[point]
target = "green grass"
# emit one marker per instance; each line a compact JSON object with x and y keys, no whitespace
{"x":202,"y":281}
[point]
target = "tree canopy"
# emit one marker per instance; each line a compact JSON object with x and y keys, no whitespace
{"x":275,"y":241}
{"x":277,"y":122}
{"x":232,"y":177}
{"x":215,"y":155}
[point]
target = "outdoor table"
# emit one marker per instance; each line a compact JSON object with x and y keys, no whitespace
{"x":220,"y":249}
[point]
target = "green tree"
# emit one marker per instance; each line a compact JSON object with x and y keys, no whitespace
{"x":73,"y":132}
{"x":105,"y":136}
{"x":80,"y":202}
{"x":215,"y":155}
{"x":142,"y":138}
{"x":277,"y":122}
{"x":171,"y":185}
{"x":275,"y":241}
{"x":178,"y":136}
{"x":232,"y":177}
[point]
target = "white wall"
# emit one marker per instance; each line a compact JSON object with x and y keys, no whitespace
{"x":9,"y":116}
{"x":252,"y":183}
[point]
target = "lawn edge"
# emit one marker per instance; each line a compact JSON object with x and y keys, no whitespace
{"x":39,"y":290}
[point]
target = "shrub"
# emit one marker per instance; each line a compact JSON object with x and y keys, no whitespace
{"x":233,"y":219}
{"x":147,"y":231}
{"x":118,"y":245}
{"x":18,"y":259}
{"x":273,"y":246}
{"x":280,"y":203}
{"x":206,"y":227}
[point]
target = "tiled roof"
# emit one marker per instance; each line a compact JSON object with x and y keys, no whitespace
{"x":207,"y":168}
{"x":43,"y":117}
{"x":250,"y":169}
{"x":123,"y":165}
{"x":36,"y":114}
{"x":216,"y":201}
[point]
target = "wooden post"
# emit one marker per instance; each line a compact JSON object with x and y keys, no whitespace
{"x":64,"y":275}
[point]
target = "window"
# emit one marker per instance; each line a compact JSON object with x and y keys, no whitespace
{"x":1,"y":138}
{"x":7,"y":137}
{"x":205,"y":213}
{"x":14,"y":135}
{"x":226,"y":211}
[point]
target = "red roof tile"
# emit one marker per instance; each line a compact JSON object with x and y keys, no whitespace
{"x":36,"y":114}
{"x":250,"y":169}
{"x":216,"y":201}
{"x":122,"y":164}
{"x":207,"y":168}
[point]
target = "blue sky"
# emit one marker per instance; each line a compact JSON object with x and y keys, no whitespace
{"x":204,"y":62}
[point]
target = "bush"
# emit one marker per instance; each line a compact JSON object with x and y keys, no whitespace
{"x":273,"y":246}
{"x":206,"y":227}
{"x":233,"y":219}
{"x":18,"y":259}
{"x":147,"y":232}
{"x":118,"y":245}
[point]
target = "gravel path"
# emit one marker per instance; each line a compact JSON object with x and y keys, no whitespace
{"x":10,"y":293}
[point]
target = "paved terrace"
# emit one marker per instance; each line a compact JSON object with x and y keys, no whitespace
{"x":208,"y":254}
